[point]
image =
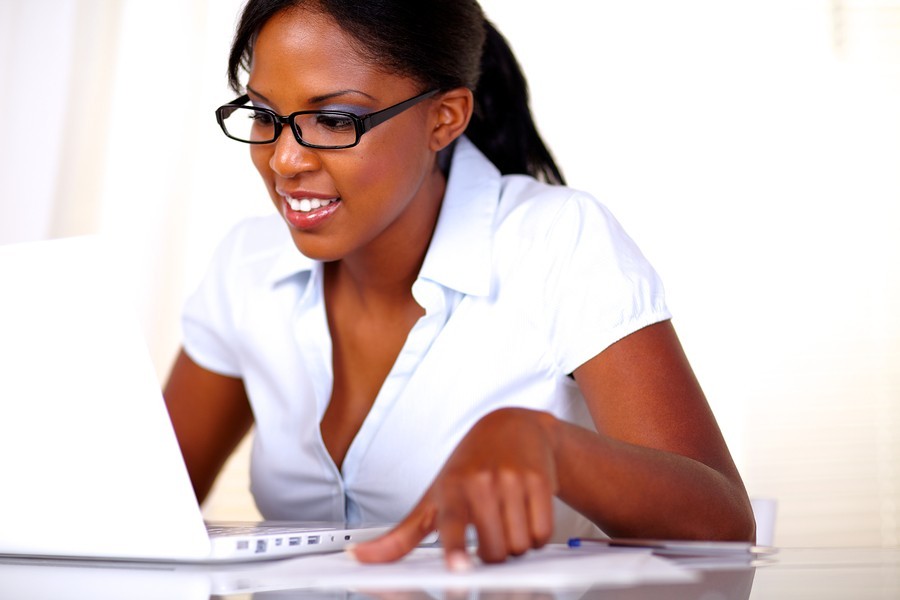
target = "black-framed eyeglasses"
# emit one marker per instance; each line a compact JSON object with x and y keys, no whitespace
{"x":326,"y":129}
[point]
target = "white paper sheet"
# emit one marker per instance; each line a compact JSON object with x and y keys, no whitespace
{"x":552,"y":568}
{"x":556,"y":571}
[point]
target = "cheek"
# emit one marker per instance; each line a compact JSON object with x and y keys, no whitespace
{"x":390,"y":167}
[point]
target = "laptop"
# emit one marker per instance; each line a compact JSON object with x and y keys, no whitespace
{"x":89,"y":464}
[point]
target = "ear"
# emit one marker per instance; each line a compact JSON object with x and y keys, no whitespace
{"x":451,"y":114}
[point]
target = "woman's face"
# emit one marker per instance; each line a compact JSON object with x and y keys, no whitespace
{"x":373,"y":196}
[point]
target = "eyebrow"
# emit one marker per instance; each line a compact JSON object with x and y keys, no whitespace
{"x":321,"y":98}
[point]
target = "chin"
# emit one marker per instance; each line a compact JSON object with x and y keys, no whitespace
{"x":315,"y":249}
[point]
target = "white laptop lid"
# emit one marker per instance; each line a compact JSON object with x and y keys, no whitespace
{"x":89,"y":464}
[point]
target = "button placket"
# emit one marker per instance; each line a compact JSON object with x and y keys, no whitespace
{"x":313,"y":338}
{"x":431,"y":297}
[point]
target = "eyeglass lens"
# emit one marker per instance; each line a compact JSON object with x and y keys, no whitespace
{"x":250,"y":124}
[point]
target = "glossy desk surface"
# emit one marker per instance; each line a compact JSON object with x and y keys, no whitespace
{"x":857,"y":573}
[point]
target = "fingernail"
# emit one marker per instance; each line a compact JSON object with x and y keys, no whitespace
{"x":459,"y":562}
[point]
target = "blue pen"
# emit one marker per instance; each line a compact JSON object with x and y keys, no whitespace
{"x":676,"y":547}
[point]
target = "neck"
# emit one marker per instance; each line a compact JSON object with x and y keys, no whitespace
{"x":382,"y":273}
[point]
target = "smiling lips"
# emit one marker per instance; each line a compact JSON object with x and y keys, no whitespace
{"x":304,"y":211}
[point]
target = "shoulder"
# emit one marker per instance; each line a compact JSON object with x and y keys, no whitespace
{"x":537,"y":218}
{"x":253,"y":240}
{"x":237,"y":285}
{"x":572,"y":270}
{"x":522,"y":226}
{"x":257,"y":250}
{"x":254,"y":255}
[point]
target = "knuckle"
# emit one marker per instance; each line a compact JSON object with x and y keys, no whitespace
{"x":537,"y":482}
{"x":483,"y":480}
{"x":509,"y":479}
{"x":479,"y":488}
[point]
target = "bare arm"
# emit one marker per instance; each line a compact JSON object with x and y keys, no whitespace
{"x":657,"y":467}
{"x":660,"y":467}
{"x":210,"y":414}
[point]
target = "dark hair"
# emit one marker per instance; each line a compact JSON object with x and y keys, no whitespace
{"x":443,"y":44}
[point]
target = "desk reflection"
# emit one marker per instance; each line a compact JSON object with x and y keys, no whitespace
{"x":25,"y":579}
{"x":720,"y":584}
{"x":821,"y":573}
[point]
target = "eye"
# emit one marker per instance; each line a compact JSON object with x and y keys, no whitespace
{"x":337,"y":123}
{"x":262,"y":119}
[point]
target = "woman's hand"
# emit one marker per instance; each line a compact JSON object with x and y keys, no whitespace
{"x":501,"y":479}
{"x":656,"y":465}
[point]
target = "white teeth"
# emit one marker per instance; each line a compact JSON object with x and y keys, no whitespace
{"x":307,"y":204}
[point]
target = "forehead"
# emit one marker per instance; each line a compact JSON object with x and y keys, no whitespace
{"x":308,"y":52}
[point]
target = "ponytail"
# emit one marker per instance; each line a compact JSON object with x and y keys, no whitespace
{"x":502,"y":126}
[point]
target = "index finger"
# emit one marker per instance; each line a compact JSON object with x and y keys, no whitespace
{"x":399,"y":541}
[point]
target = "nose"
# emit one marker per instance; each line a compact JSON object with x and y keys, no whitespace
{"x":289,"y":158}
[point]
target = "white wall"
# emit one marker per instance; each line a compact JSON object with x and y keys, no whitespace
{"x":753,"y":150}
{"x":751,"y":147}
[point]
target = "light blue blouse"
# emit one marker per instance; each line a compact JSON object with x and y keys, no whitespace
{"x":522,"y":283}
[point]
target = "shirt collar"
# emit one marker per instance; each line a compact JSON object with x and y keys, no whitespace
{"x":289,"y":261}
{"x":459,"y":255}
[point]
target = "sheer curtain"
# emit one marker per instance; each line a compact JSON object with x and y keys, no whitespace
{"x":753,"y":150}
{"x":109,"y":129}
{"x":750,"y":147}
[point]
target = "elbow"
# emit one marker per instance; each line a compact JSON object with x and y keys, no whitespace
{"x":736,"y":525}
{"x":735,"y":520}
{"x":726,"y":521}
{"x":743,"y":529}
{"x":731,"y":528}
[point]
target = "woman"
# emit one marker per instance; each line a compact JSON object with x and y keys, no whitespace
{"x":418,"y":338}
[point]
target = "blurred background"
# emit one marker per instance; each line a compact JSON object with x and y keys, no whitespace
{"x":751,"y":147}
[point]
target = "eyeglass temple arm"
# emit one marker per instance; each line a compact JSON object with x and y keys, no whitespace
{"x":377,"y":118}
{"x":239,"y":101}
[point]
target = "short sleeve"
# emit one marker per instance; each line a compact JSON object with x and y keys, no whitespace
{"x":208,"y":317}
{"x":599,"y":287}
